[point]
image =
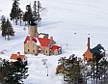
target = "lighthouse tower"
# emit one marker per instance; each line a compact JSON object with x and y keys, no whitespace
{"x":33,"y":30}
{"x":30,"y":46}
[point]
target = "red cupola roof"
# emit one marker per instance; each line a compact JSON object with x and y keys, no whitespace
{"x":55,"y":47}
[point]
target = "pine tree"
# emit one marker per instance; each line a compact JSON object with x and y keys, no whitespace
{"x":36,"y":11}
{"x":99,"y":73}
{"x":20,"y":16}
{"x":9,"y":29}
{"x":28,"y":16}
{"x":71,"y":70}
{"x":13,"y":73}
{"x":39,"y":7}
{"x":25,"y":19}
{"x":15,"y":11}
{"x":3,"y":27}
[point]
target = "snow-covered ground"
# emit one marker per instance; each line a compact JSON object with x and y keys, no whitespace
{"x":70,"y":22}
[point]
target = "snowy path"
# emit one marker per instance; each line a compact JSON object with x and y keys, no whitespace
{"x":38,"y":71}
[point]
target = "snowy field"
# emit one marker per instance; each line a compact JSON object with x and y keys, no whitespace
{"x":70,"y":22}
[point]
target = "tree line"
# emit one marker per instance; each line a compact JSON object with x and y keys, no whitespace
{"x":29,"y":15}
{"x":13,"y":72}
{"x":77,"y":71}
{"x":19,"y":17}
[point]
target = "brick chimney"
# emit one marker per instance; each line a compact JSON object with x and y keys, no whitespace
{"x":88,"y":44}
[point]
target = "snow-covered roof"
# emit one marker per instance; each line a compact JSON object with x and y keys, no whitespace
{"x":41,"y":36}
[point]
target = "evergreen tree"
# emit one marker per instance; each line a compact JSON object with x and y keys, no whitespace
{"x":99,"y":73}
{"x":15,"y":11}
{"x":36,"y":11}
{"x":28,"y":16}
{"x":9,"y":29}
{"x":71,"y":70}
{"x":13,"y":73}
{"x":3,"y":27}
{"x":39,"y":7}
{"x":20,"y":16}
{"x":25,"y":19}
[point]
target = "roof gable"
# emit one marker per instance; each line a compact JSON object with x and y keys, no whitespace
{"x":34,"y":39}
{"x":15,"y":56}
{"x":55,"y":47}
{"x":44,"y":42}
{"x":28,"y":39}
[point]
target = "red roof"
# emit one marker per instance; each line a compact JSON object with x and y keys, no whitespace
{"x":44,"y":41}
{"x":55,"y":47}
{"x":28,"y":38}
{"x":34,"y":39}
{"x":15,"y":56}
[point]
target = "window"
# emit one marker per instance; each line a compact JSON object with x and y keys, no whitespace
{"x":33,"y":50}
{"x":46,"y":51}
{"x":28,"y":50}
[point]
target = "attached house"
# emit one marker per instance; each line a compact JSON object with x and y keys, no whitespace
{"x":95,"y":53}
{"x":16,"y":56}
{"x":37,"y":43}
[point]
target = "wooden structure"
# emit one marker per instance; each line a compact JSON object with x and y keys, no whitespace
{"x":17,"y":56}
{"x":94,"y":54}
{"x":88,"y":55}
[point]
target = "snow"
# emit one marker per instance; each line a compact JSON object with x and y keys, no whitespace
{"x":70,"y":22}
